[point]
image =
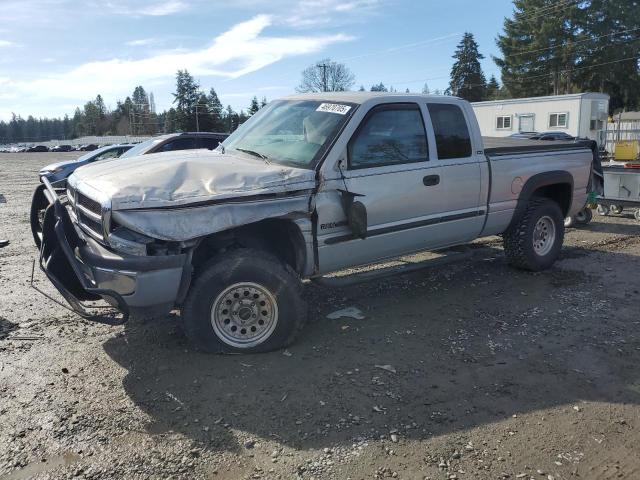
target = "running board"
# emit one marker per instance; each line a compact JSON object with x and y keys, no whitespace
{"x":448,"y":256}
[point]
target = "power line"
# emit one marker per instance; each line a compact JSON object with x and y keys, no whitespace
{"x":523,"y":52}
{"x":542,"y":11}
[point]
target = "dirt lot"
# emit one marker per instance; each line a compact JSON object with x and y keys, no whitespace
{"x":488,"y":373}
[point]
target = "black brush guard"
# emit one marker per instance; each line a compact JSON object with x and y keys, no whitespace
{"x":59,"y":263}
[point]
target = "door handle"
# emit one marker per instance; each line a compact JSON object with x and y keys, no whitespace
{"x":431,"y":180}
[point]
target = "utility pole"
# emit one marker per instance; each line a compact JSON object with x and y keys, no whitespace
{"x":324,"y":67}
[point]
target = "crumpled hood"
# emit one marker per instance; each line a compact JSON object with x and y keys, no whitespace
{"x":173,"y":179}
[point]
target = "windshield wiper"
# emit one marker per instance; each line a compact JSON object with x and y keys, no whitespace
{"x":255,"y":154}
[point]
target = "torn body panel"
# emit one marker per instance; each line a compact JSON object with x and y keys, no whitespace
{"x":182,"y":224}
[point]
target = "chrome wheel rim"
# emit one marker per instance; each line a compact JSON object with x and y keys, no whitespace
{"x":544,"y":235}
{"x":244,"y":315}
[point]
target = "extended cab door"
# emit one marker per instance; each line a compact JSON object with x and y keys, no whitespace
{"x":421,"y":190}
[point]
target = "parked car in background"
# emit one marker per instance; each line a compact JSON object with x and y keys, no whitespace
{"x":89,"y":148}
{"x":177,"y":141}
{"x":62,"y":148}
{"x":38,"y":148}
{"x":552,"y":136}
{"x":523,"y":135}
{"x":57,"y":173}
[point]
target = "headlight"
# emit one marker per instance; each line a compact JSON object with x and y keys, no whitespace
{"x":124,"y":240}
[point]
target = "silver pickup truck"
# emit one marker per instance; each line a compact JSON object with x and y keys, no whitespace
{"x":310,"y":185}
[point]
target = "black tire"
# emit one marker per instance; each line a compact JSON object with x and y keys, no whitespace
{"x":570,"y":222}
{"x":244,"y":266}
{"x":584,"y":216}
{"x":603,"y":210}
{"x":616,"y":209}
{"x":38,"y":205}
{"x":636,"y":214}
{"x":518,"y":241}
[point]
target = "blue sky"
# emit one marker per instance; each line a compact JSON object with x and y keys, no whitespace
{"x":57,"y":54}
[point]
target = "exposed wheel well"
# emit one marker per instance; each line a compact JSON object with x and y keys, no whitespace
{"x":558,"y":192}
{"x":279,"y":237}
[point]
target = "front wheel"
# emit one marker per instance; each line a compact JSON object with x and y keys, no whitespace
{"x":603,"y":210}
{"x":244,"y":301}
{"x":534,"y":242}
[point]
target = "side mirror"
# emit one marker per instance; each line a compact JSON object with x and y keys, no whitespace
{"x":357,"y":218}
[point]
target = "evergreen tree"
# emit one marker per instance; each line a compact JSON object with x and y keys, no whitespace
{"x":493,"y":88}
{"x":538,"y":48}
{"x":186,"y":97}
{"x":362,"y":89}
{"x":253,"y":107}
{"x":425,"y":89}
{"x":217,"y":111}
{"x":263,"y":102}
{"x":467,"y":79}
{"x":379,"y":88}
{"x":609,"y":31}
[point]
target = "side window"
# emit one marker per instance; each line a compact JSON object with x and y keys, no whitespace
{"x":209,"y":143}
{"x":178,"y":144}
{"x":389,"y":135}
{"x":108,"y":154}
{"x":451,"y":131}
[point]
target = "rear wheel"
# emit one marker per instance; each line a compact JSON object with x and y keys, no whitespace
{"x":636,"y":214}
{"x":534,"y":242}
{"x":244,"y":301}
{"x":39,"y":203}
{"x":603,"y":210}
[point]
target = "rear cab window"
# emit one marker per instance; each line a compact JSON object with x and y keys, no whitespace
{"x":390,"y":134}
{"x":451,"y":131}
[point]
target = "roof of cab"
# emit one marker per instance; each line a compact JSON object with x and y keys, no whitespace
{"x":361,"y":97}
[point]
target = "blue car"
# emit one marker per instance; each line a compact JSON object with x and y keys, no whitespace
{"x":57,"y":173}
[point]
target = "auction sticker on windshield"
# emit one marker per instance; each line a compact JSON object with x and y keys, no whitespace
{"x":333,"y":108}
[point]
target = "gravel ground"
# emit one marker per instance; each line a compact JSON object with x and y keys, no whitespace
{"x":469,"y":371}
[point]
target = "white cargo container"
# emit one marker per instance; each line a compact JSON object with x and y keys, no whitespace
{"x":580,"y":115}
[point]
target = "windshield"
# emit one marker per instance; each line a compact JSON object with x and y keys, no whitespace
{"x":290,"y":132}
{"x":94,"y":153}
{"x":142,"y":147}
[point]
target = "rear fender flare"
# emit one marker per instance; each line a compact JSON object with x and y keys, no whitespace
{"x":535,"y":182}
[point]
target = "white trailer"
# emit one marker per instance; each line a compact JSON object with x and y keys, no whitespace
{"x":580,"y":115}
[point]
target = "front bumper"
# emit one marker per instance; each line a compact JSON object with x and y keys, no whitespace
{"x":81,"y":269}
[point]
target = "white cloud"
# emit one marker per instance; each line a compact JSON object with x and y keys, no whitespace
{"x":142,"y":42}
{"x":239,"y":51}
{"x":164,"y":8}
{"x":5,"y":43}
{"x":153,"y":9}
{"x":314,"y":12}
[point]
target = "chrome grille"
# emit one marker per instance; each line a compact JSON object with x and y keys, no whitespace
{"x":88,"y":204}
{"x":88,"y":213}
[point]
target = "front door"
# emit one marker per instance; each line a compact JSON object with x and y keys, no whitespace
{"x":414,"y":201}
{"x":526,"y":123}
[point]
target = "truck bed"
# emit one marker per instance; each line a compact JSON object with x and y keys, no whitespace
{"x":495,"y":146}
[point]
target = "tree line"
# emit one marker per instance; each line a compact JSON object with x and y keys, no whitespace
{"x":548,"y":47}
{"x":194,"y":109}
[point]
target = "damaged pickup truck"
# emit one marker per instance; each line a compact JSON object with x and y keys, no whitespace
{"x":310,"y":185}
